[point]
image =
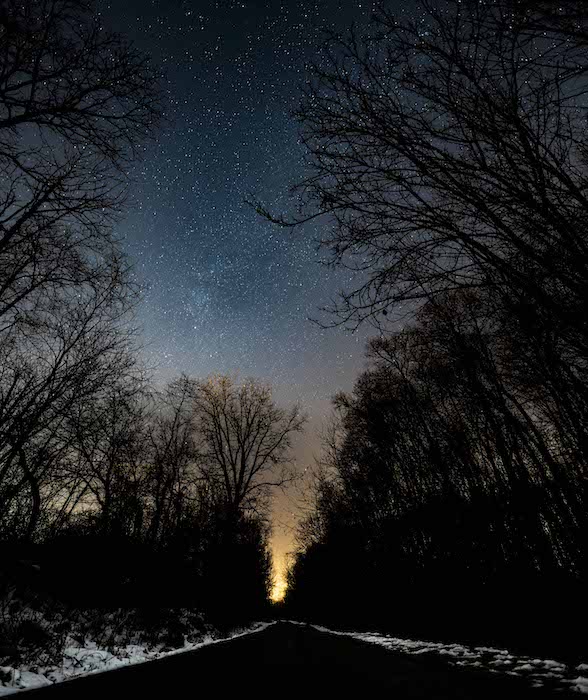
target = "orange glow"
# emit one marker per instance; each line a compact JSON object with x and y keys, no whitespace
{"x":279,"y":588}
{"x":279,"y":584}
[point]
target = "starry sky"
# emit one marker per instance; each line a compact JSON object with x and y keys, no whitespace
{"x":227,"y":291}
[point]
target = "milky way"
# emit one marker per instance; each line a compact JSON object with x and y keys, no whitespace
{"x":226,"y":291}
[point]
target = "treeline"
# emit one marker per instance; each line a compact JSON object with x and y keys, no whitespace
{"x":450,"y":156}
{"x":452,"y":500}
{"x":146,"y":498}
{"x":114,"y":492}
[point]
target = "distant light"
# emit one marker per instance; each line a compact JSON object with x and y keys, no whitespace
{"x":279,"y":588}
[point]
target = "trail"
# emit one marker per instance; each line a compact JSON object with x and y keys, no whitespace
{"x":295,"y":661}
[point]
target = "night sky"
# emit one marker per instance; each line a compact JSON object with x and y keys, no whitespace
{"x":227,"y":291}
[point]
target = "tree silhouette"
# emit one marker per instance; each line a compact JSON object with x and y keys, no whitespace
{"x":75,"y":101}
{"x":245,"y":438}
{"x":448,"y":151}
{"x":445,"y":468}
{"x":447,"y":159}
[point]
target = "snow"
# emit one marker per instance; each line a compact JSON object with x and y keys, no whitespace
{"x":81,"y":661}
{"x":539,"y":672}
{"x":580,"y":684}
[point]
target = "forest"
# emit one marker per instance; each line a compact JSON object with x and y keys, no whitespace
{"x":129,"y":509}
{"x":448,"y":154}
{"x":446,"y":171}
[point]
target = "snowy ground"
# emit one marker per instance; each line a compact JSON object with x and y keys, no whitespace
{"x":539,"y":672}
{"x":80,"y":661}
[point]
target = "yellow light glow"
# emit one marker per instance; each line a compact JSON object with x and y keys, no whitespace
{"x":279,"y":588}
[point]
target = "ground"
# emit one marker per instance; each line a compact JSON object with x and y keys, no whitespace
{"x":294,"y":660}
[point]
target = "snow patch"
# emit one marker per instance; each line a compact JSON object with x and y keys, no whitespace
{"x":89,"y":659}
{"x":539,"y":672}
{"x":580,"y":684}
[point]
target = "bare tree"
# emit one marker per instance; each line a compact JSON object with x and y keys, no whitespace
{"x":105,"y":470}
{"x":245,"y":438}
{"x":449,"y":151}
{"x":75,"y":101}
{"x":445,"y":473}
{"x":174,"y":482}
{"x":48,"y":375}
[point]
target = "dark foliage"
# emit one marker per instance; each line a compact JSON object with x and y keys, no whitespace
{"x":109,"y":496}
{"x":449,"y":503}
{"x":449,"y":155}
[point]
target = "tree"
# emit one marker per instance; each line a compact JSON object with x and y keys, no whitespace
{"x":449,"y":151}
{"x":447,"y":156}
{"x":174,"y":480}
{"x":49,"y":375}
{"x":245,"y":438}
{"x":107,"y":434}
{"x":75,"y":101}
{"x":444,"y":474}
